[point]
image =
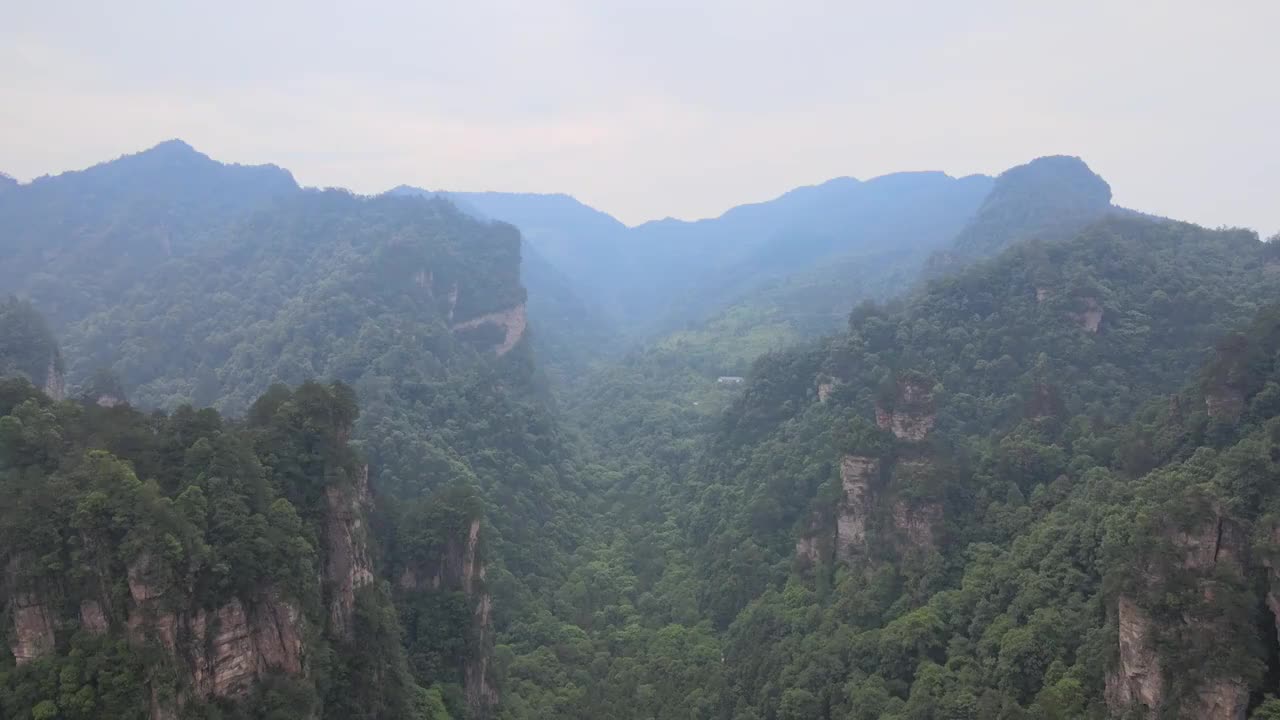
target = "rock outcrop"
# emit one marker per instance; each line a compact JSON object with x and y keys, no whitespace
{"x":857,"y":474}
{"x":1224,"y":403}
{"x":916,"y":523}
{"x":808,"y":547}
{"x":33,"y":627}
{"x":1138,"y":680}
{"x":912,"y":414}
{"x":1089,"y":317}
{"x":512,"y":322}
{"x":1205,"y":552}
{"x":826,"y":386}
{"x":460,"y":567}
{"x":347,"y":564}
{"x":55,"y":382}
{"x":92,"y":619}
{"x":235,"y":646}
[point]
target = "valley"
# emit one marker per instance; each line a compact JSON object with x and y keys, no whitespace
{"x":1002,"y":449}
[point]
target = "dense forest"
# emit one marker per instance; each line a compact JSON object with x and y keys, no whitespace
{"x":911,"y":447}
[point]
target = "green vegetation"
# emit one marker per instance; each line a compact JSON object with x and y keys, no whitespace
{"x":953,"y":506}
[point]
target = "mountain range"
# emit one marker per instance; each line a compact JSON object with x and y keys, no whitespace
{"x":907,"y":447}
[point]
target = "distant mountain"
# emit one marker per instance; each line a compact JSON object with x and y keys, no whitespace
{"x":665,"y":274}
{"x":564,"y":245}
{"x":109,"y":225}
{"x":1050,"y":198}
{"x":887,"y":221}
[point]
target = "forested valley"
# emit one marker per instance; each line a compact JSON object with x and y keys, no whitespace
{"x":912,"y":447}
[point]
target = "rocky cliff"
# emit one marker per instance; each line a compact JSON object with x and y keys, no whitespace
{"x":460,"y":567}
{"x":510,"y":323}
{"x":1202,"y":561}
{"x":347,"y":564}
{"x":910,"y":413}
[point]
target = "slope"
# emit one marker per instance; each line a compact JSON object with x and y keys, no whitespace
{"x":890,"y":507}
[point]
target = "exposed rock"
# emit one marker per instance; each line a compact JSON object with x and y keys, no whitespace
{"x":917,"y":522}
{"x":108,"y":401}
{"x":1042,"y":294}
{"x":453,"y":301}
{"x":233,"y":647}
{"x":55,"y":383}
{"x":827,"y":385}
{"x":912,"y":415}
{"x":347,"y":564}
{"x":1221,"y":699}
{"x":512,"y":321}
{"x":857,"y":473}
{"x":424,"y":279}
{"x":807,"y":547}
{"x":1137,"y":679}
{"x":824,"y":390}
{"x":1090,"y":318}
{"x":149,"y":619}
{"x":482,"y":695}
{"x":92,"y":619}
{"x":32,"y":627}
{"x":460,"y":567}
{"x":1224,"y":403}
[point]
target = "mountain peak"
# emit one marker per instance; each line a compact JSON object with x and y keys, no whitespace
{"x":1058,"y":173}
{"x":1049,"y":198}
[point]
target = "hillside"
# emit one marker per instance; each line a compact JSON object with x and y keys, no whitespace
{"x":415,"y":306}
{"x":1002,"y":450}
{"x":923,"y":507}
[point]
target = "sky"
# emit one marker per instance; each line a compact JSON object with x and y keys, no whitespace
{"x":653,"y":108}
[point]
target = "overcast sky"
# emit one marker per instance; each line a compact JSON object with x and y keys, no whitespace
{"x":652,"y":108}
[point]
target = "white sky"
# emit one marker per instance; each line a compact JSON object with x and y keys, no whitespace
{"x":653,"y":108}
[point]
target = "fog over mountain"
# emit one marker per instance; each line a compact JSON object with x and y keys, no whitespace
{"x":713,"y":361}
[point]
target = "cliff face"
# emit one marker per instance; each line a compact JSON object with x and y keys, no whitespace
{"x":347,"y":564}
{"x":511,"y":322}
{"x":912,"y":414}
{"x":871,"y":487}
{"x":460,"y":567}
{"x":55,"y":382}
{"x":1203,"y":555}
{"x":222,"y":652}
{"x":857,"y":473}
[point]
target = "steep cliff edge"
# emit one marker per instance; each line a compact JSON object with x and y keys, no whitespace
{"x":347,"y":564}
{"x":240,"y":567}
{"x":458,"y":566}
{"x":886,"y":501}
{"x":1200,"y":564}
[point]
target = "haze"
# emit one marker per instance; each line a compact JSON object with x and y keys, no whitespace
{"x":656,"y":109}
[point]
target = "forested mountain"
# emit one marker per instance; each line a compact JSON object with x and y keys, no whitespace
{"x":109,"y":226}
{"x":274,"y":452}
{"x":931,"y":515}
{"x":666,"y":274}
{"x":415,"y":306}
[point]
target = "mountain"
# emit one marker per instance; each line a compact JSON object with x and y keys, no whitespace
{"x":187,"y":564}
{"x":573,"y":327}
{"x":1049,"y":198}
{"x":111,"y":224}
{"x":928,"y":507}
{"x":414,"y":307}
{"x":911,"y":447}
{"x":29,"y":349}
